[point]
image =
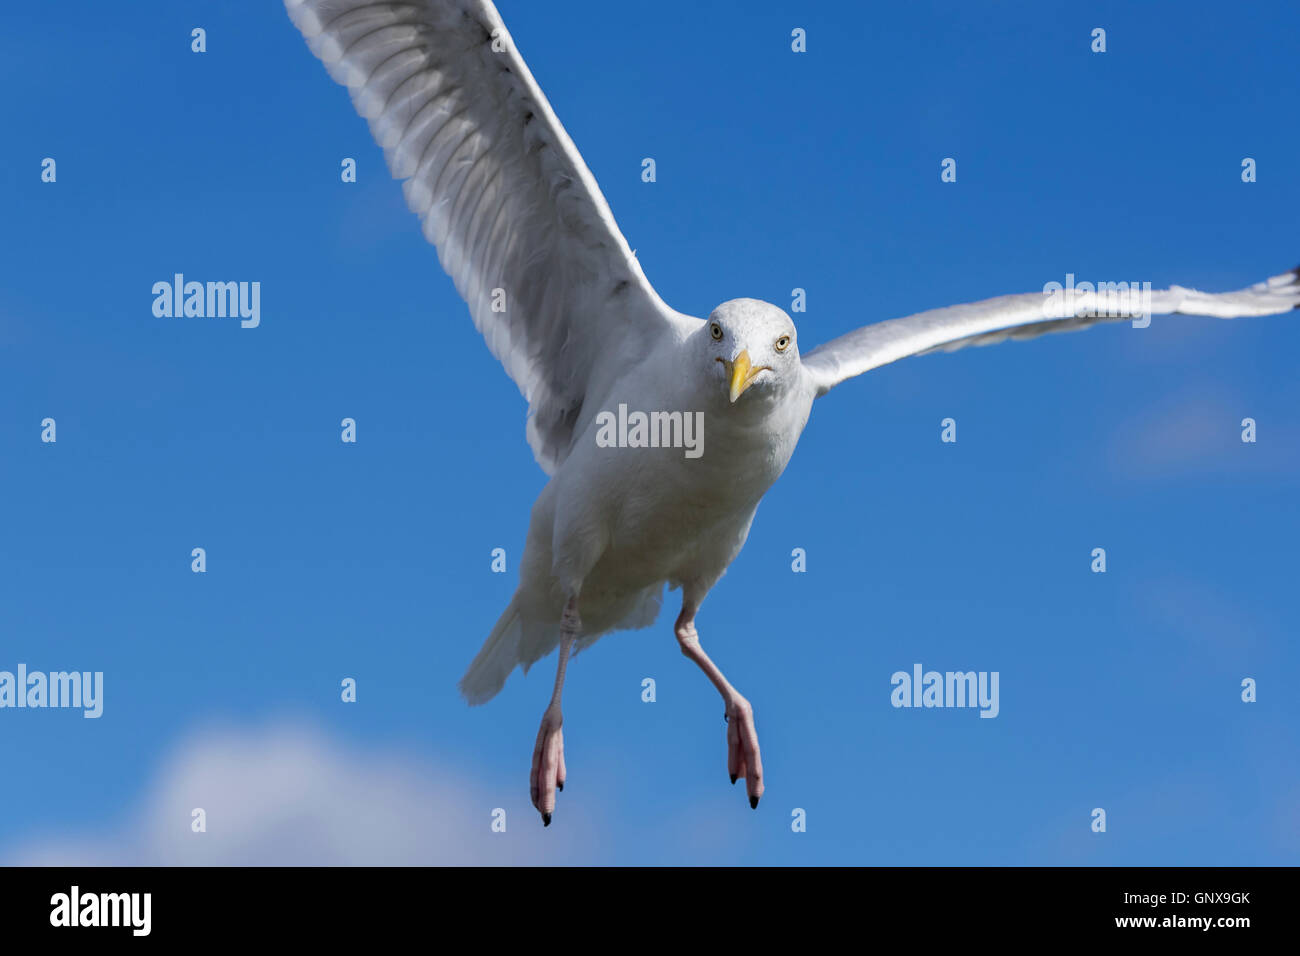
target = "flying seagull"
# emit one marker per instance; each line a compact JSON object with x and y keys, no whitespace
{"x":529,"y":241}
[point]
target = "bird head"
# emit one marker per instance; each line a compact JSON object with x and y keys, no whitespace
{"x":751,"y":349}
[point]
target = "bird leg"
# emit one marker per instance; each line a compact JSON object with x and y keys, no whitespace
{"x":548,"y":755}
{"x":743,"y":759}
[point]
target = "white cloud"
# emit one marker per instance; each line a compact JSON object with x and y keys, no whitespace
{"x":288,"y":795}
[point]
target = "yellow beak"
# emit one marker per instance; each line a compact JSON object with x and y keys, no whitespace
{"x":741,"y":373}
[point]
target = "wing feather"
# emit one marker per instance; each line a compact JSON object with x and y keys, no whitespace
{"x":1028,"y":316}
{"x":502,"y":193}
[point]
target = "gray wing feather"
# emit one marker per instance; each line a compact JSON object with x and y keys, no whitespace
{"x":1028,"y":316}
{"x":517,"y":218}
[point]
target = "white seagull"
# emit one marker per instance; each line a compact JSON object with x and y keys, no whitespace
{"x":529,"y":241}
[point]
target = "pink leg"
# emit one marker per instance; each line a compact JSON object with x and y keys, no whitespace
{"x":548,"y":754}
{"x":743,"y":759}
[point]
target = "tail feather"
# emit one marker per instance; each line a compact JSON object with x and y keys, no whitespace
{"x":495,"y":660}
{"x":529,"y":629}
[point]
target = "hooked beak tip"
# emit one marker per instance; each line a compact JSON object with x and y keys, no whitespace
{"x":740,"y":374}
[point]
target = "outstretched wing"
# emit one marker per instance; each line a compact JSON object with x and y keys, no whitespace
{"x":516,"y":216}
{"x":1029,"y":315}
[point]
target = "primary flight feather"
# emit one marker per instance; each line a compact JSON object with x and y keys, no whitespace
{"x":525,"y":234}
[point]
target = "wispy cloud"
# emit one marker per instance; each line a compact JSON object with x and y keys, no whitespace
{"x":289,"y":795}
{"x":1201,"y":433}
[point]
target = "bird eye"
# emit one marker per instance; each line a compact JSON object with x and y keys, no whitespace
{"x":783,"y":343}
{"x":717,"y":332}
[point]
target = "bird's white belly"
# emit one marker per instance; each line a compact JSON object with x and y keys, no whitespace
{"x":676,"y":520}
{"x":673,"y":539}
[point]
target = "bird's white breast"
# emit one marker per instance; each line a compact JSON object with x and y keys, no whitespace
{"x":657,"y":513}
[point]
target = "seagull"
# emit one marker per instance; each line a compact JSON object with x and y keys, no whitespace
{"x":528,"y":239}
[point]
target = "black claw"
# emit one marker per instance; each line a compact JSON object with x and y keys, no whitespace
{"x":733,"y":778}
{"x":546,"y":819}
{"x":753,"y":803}
{"x":560,"y":787}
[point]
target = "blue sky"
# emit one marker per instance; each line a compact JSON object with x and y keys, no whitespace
{"x":776,"y":170}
